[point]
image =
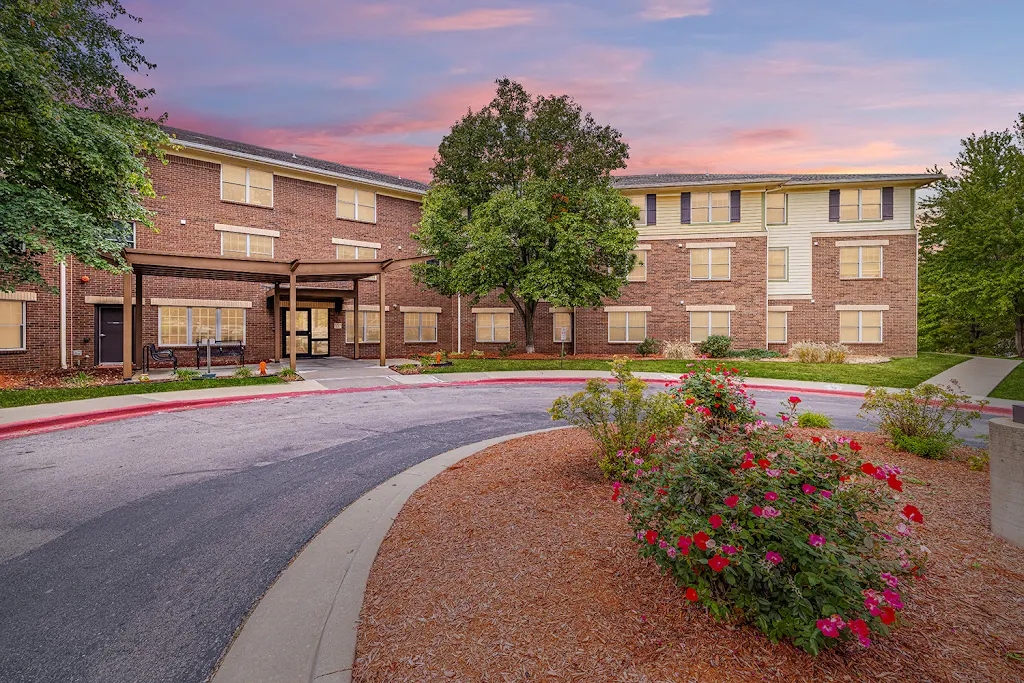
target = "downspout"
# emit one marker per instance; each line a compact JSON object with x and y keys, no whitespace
{"x":63,"y":315}
{"x":459,"y":315}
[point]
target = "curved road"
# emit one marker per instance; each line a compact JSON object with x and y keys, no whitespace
{"x":132,"y":550}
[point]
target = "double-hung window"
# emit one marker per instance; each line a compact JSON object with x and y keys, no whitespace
{"x":12,"y":325}
{"x":189,"y":325}
{"x":709,"y":263}
{"x":627,"y":327}
{"x":707,"y":323}
{"x":242,"y":244}
{"x":860,"y":262}
{"x":246,"y":185}
{"x":561,"y":322}
{"x":420,"y":327}
{"x":778,"y":322}
{"x":778,"y":264}
{"x":710,"y":207}
{"x":369,"y":327}
{"x":357,"y":205}
{"x":493,"y":327}
{"x":860,"y":327}
{"x":775,"y":208}
{"x":125,"y":234}
{"x":860,"y":205}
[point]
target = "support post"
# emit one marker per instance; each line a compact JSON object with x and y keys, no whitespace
{"x":355,"y":319}
{"x":383,"y":326}
{"x":126,"y":327}
{"x":277,"y":322}
{"x":137,"y":327}
{"x":292,"y":337}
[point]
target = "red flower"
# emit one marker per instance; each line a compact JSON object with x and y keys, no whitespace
{"x":732,"y":500}
{"x":684,"y":545}
{"x":715,"y":521}
{"x":652,"y":439}
{"x":834,"y":457}
{"x":690,"y":401}
{"x":747,"y":464}
{"x":888,"y":615}
{"x":756,"y":510}
{"x":854,"y":446}
{"x":868,"y":468}
{"x":701,"y":539}
{"x":651,"y":536}
{"x":809,"y":489}
{"x":662,"y":492}
{"x":691,"y":595}
{"x":718,"y":563}
{"x":815,"y":439}
{"x":913,"y":514}
{"x":764,"y":463}
{"x":794,"y":399}
{"x":733,"y":370}
{"x":844,"y":478}
{"x":792,"y":471}
{"x":895,"y":483}
{"x":732,"y":407}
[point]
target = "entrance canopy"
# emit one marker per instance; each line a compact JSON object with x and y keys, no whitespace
{"x":263,"y":270}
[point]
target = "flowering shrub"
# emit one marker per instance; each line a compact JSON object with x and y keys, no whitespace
{"x":798,"y":538}
{"x":718,"y":395}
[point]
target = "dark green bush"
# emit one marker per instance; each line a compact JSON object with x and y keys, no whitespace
{"x":716,"y":346}
{"x":647,"y":347}
{"x":756,"y":354}
{"x":931,"y":447}
{"x":814,"y":420}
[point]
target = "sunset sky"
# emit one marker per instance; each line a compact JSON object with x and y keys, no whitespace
{"x":693,"y":85}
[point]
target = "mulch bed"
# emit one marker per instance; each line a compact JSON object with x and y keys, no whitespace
{"x":515,"y":565}
{"x":56,"y":379}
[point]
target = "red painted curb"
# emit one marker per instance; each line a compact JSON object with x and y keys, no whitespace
{"x":59,"y":422}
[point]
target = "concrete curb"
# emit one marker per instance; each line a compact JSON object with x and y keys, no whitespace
{"x":49,"y":424}
{"x":304,"y":628}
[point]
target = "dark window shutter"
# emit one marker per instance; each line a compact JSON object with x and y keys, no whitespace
{"x":652,"y":209}
{"x":833,"y":206}
{"x":886,"y":203}
{"x":684,"y":208}
{"x":734,"y":206}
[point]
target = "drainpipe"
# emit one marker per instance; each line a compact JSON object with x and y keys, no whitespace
{"x":460,"y":324}
{"x":63,"y":315}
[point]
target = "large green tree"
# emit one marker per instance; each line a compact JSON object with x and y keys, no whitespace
{"x":522,"y":205}
{"x":972,"y":237}
{"x":73,"y":135}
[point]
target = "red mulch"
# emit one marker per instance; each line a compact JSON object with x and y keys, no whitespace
{"x":515,"y":565}
{"x":54,"y":379}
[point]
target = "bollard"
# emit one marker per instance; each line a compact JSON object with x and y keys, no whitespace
{"x":1006,"y":472}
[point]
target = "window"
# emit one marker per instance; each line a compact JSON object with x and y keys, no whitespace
{"x":860,"y":262}
{"x":346,"y":252}
{"x":369,"y":327}
{"x":240,"y":244}
{"x":561,"y":321}
{"x":860,"y":326}
{"x":860,"y":205}
{"x":778,"y":264}
{"x":12,"y":325}
{"x":627,"y":327}
{"x":493,"y":327}
{"x":421,"y":327}
{"x":639,"y":272}
{"x":778,"y":322}
{"x":709,"y":264}
{"x":706,"y":323}
{"x":640,"y":202}
{"x":183,"y":326}
{"x":247,"y":185}
{"x":709,"y":207}
{"x":357,"y":205}
{"x":126,"y":234}
{"x":775,"y":208}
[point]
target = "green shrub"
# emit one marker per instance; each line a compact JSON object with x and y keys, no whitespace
{"x":718,"y":395}
{"x":814,"y":420}
{"x":624,"y":420}
{"x":507,"y":350}
{"x":679,"y":350}
{"x":243,"y":371}
{"x":978,"y":461}
{"x":186,"y":374}
{"x":287,"y":373}
{"x":716,"y":346}
{"x":80,"y":379}
{"x":647,"y":347}
{"x":756,"y":354}
{"x":783,"y":534}
{"x":931,"y":447}
{"x":928,"y":411}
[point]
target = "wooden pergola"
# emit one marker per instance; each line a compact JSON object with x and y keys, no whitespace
{"x":267,"y":271}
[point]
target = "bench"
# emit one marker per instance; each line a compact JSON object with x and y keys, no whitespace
{"x":151,"y":353}
{"x":220,"y":350}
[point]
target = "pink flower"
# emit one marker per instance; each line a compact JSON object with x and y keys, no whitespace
{"x":662,"y":544}
{"x":826,"y":493}
{"x":770,"y":512}
{"x":729,"y":549}
{"x":773,"y":557}
{"x":773,"y":473}
{"x":671,"y":552}
{"x":893,"y":598}
{"x":771,"y":496}
{"x":828,"y":628}
{"x":684,"y":544}
{"x":815,"y":540}
{"x":889,"y":579}
{"x":808,"y":489}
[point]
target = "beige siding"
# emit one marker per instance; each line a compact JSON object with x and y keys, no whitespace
{"x":807,"y":214}
{"x":668,"y":216}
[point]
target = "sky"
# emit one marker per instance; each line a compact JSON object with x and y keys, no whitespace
{"x":719,"y":86}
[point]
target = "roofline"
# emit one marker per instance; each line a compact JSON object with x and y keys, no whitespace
{"x":781,"y":180}
{"x":299,"y":167}
{"x":919,"y":180}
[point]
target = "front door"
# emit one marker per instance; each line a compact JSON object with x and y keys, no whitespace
{"x":110,"y":334}
{"x":311,"y":332}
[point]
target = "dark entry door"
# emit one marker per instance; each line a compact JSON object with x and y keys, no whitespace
{"x":110,"y":334}
{"x":311,"y":332}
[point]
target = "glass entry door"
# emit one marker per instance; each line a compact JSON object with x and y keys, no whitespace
{"x":311,"y":332}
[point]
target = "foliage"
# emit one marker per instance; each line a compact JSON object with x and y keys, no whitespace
{"x":624,"y":420}
{"x":507,"y":350}
{"x":80,"y":379}
{"x":819,"y":352}
{"x":814,"y":421}
{"x":1012,"y":386}
{"x":919,"y":416}
{"x":288,"y":374}
{"x":73,"y":135}
{"x":243,"y":371}
{"x":978,"y":461}
{"x":31,"y":397}
{"x":679,"y":350}
{"x":931,"y":447}
{"x":972,"y":242}
{"x":716,"y":346}
{"x":522,"y":204}
{"x":435,"y":358}
{"x":756,"y":354}
{"x":796,"y":538}
{"x":648,"y":347}
{"x":477,"y":353}
{"x":717,"y":395}
{"x":186,"y":374}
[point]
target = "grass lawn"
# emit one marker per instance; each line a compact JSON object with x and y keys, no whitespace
{"x":902,"y":372}
{"x":1012,"y":386}
{"x":30,"y":397}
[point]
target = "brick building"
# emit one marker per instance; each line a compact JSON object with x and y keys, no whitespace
{"x":766,"y":259}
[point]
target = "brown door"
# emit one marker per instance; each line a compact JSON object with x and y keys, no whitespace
{"x":110,"y":334}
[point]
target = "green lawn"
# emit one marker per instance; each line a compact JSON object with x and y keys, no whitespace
{"x":30,"y":397}
{"x":902,"y":372}
{"x":1012,"y":386}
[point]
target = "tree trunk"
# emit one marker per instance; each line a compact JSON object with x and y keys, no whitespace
{"x":1019,"y":334}
{"x":528,"y":310}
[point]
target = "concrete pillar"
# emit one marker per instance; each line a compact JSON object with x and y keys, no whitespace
{"x":1006,"y":471}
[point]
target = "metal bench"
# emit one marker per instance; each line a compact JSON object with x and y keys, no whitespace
{"x":152,"y":353}
{"x":220,"y":350}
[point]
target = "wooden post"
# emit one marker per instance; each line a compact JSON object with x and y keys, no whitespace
{"x":277,"y":322}
{"x":292,"y":341}
{"x":137,"y":353}
{"x":355,"y":318}
{"x":383,"y":327}
{"x":126,"y":326}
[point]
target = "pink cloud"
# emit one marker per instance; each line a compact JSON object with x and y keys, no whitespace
{"x":761,"y":137}
{"x":661,"y":10}
{"x":476,"y":20}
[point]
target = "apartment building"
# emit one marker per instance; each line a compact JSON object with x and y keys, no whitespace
{"x":767,"y":259}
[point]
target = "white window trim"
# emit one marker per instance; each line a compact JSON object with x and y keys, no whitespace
{"x":860,"y":324}
{"x":709,"y":221}
{"x":785,"y":265}
{"x":356,"y":190}
{"x":420,"y":327}
{"x":709,"y":277}
{"x":785,"y":327}
{"x":860,"y":206}
{"x":709,"y":310}
{"x":860,"y":264}
{"x":188,"y":325}
{"x":491,"y":312}
{"x":245,"y":230}
{"x":785,"y":208}
{"x":135,"y":234}
{"x":247,"y":186}
{"x":628,"y":311}
{"x":23,"y":326}
{"x":248,"y":244}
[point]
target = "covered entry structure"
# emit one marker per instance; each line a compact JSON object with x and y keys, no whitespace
{"x":277,"y":272}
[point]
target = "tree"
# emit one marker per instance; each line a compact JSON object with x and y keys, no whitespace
{"x":73,"y":135}
{"x":522,"y":204}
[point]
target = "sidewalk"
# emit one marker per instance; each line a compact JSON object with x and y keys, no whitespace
{"x":977,"y":376}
